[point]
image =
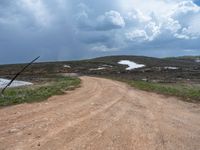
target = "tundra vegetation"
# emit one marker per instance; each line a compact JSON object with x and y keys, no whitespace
{"x":176,"y":76}
{"x":40,"y":91}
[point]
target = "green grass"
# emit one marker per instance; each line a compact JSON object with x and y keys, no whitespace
{"x":187,"y":93}
{"x":38,"y":93}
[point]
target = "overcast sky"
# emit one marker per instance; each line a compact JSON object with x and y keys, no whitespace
{"x":78,"y":29}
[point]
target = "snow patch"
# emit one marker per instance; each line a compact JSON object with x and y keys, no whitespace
{"x":4,"y":82}
{"x":67,"y":66}
{"x":171,"y":68}
{"x":131,"y":65}
{"x":100,"y":68}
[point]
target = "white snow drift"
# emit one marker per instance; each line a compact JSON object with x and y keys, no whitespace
{"x":4,"y":82}
{"x":100,"y":68}
{"x":131,"y":65}
{"x":171,"y":68}
{"x":67,"y":66}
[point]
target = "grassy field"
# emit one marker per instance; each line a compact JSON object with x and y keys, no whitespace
{"x":181,"y":82}
{"x":39,"y":92}
{"x":187,"y":93}
{"x":183,"y":91}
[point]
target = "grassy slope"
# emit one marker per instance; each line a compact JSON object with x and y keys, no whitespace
{"x":38,"y":92}
{"x":185,"y":92}
{"x":188,"y":69}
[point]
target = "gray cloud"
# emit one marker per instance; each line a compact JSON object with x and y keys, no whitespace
{"x":71,"y":29}
{"x":110,"y":20}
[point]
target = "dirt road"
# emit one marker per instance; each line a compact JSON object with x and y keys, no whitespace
{"x":102,"y":115}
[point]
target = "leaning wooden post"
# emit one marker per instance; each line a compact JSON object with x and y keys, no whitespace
{"x":3,"y":90}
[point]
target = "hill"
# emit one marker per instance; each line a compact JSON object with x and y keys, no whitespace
{"x":165,"y":69}
{"x":177,"y":76}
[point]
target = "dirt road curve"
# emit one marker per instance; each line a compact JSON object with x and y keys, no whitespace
{"x":102,"y":115}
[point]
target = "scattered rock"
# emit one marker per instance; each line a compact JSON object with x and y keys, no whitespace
{"x":29,"y":133}
{"x":37,"y":137}
{"x":13,"y":130}
{"x":145,"y":80}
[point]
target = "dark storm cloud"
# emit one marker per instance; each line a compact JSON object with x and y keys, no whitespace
{"x":74,"y":29}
